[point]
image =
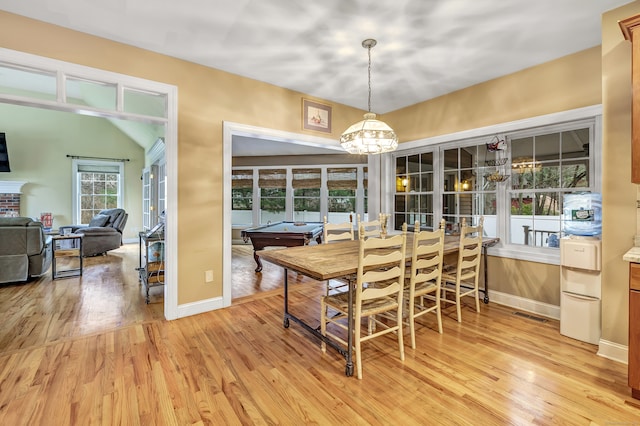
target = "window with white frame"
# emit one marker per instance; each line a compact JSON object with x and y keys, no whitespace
{"x":98,"y":186}
{"x":447,"y":183}
{"x":314,"y":192}
{"x":545,"y":166}
{"x":342,"y":184}
{"x":273,"y":195}
{"x":306,"y":194}
{"x":469,"y":186}
{"x":242,"y":196}
{"x":515,"y":180}
{"x":414,"y":190}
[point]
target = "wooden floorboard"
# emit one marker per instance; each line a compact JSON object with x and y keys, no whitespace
{"x":90,"y":351}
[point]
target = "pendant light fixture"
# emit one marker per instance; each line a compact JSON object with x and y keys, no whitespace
{"x":369,"y":136}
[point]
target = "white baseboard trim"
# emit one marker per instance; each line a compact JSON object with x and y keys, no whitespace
{"x":606,"y":349}
{"x":613,"y":351}
{"x":202,"y":306}
{"x":532,"y":306}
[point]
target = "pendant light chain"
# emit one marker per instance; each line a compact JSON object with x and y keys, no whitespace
{"x":369,"y":70}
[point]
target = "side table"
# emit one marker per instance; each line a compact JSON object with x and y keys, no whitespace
{"x":67,"y":246}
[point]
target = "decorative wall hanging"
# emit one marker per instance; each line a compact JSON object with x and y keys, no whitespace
{"x":496,"y":144}
{"x":316,"y":116}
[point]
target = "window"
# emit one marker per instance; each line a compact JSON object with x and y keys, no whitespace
{"x":99,"y":95}
{"x":469,"y":186}
{"x":242,"y":196}
{"x":149,"y":196}
{"x":41,"y":83}
{"x":462,"y":193}
{"x":76,"y":90}
{"x":98,"y":186}
{"x":162,"y":188}
{"x":298,"y":193}
{"x":342,"y":184}
{"x":516,"y":181}
{"x":273,"y":192}
{"x":414,"y":190}
{"x":545,"y":167}
{"x":306,"y":195}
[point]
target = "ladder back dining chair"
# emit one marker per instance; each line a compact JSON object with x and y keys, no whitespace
{"x":422,"y":293}
{"x":463,"y":281}
{"x":337,"y":232}
{"x":378,"y":289}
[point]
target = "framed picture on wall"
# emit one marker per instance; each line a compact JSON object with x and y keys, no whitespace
{"x":316,"y":116}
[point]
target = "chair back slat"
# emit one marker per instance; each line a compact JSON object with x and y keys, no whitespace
{"x":470,"y":249}
{"x":427,"y":255}
{"x":373,"y":228}
{"x":380,"y":265}
{"x":337,"y":231}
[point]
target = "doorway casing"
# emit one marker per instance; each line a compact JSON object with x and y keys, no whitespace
{"x":62,"y":68}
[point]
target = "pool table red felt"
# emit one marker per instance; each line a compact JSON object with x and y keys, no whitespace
{"x":282,"y":234}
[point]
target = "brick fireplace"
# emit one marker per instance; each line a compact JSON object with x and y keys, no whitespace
{"x":10,"y":192}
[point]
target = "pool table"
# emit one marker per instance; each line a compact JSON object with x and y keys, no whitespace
{"x":281,"y":234}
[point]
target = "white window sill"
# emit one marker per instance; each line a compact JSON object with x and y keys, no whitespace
{"x":531,"y":254}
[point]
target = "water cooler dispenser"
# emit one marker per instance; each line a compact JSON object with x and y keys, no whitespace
{"x":580,"y":265}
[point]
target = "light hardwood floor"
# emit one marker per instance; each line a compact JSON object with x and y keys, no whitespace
{"x":90,"y":351}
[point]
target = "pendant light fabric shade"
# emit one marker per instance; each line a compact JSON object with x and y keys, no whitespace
{"x":369,"y":136}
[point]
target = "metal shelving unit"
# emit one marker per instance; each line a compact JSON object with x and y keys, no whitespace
{"x":151,"y":259}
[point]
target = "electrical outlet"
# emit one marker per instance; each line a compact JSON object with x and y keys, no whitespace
{"x":208,"y":276}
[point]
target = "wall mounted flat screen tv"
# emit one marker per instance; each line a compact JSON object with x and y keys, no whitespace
{"x":4,"y":154}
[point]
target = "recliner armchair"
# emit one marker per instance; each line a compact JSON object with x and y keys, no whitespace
{"x":25,"y":251}
{"x":103,"y":233}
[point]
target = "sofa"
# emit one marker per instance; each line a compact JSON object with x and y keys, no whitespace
{"x":103,"y":233}
{"x":25,"y":250}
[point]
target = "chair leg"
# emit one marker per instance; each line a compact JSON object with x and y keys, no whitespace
{"x":477,"y":299}
{"x":412,"y":322}
{"x":458,"y":310}
{"x":439,"y":313}
{"x":323,"y":323}
{"x":400,"y":337}
{"x":358,"y":351}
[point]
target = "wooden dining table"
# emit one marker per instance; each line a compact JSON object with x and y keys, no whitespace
{"x":323,"y":262}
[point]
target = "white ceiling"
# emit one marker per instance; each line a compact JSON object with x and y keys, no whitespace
{"x":426,"y":48}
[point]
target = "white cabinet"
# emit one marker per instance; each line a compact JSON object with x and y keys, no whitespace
{"x":581,"y":288}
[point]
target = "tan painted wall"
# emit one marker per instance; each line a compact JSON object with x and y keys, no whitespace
{"x":564,"y":84}
{"x":206,"y":98}
{"x":618,"y":193}
{"x":530,"y":280}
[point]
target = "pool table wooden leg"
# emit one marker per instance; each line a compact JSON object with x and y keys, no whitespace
{"x":258,"y":261}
